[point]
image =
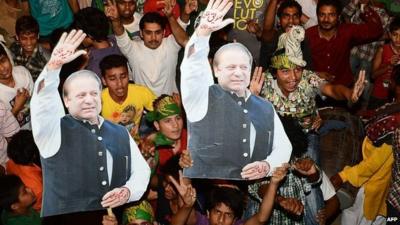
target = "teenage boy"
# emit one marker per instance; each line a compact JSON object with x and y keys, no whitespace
{"x":27,"y":51}
{"x":120,"y":94}
{"x":17,"y":200}
{"x":15,"y":88}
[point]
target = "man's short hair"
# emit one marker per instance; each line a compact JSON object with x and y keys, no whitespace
{"x":232,"y":46}
{"x":112,"y":61}
{"x":152,"y":17}
{"x":9,"y":190}
{"x":394,"y":25}
{"x":80,"y":73}
{"x":335,"y":3}
{"x":231,"y":197}
{"x":289,"y":4}
{"x":26,"y":25}
{"x":93,"y":22}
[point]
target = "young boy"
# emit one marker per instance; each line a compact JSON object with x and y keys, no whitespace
{"x":17,"y":201}
{"x":27,"y":51}
{"x":16,"y":85}
{"x":24,"y":162}
{"x":119,"y":94}
{"x":225,"y":203}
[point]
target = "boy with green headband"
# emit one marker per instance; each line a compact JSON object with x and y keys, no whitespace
{"x":170,"y":138}
{"x":141,"y":214}
{"x":292,"y":90}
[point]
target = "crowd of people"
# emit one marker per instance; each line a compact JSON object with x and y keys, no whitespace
{"x":197,"y":112}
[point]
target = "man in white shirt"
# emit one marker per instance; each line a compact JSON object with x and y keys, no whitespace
{"x":232,"y":133}
{"x":153,"y":58}
{"x":88,"y":163}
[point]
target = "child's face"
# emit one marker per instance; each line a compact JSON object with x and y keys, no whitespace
{"x":127,"y":117}
{"x":26,"y":197}
{"x":139,"y":222}
{"x":28,"y":42}
{"x":5,"y":68}
{"x":171,"y":127}
{"x":395,"y":37}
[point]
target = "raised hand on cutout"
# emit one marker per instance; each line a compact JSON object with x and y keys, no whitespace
{"x":65,"y":50}
{"x":213,"y":17}
{"x":116,"y":197}
{"x":255,"y":170}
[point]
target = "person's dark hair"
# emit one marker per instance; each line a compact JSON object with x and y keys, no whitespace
{"x":231,"y":197}
{"x":171,"y":167}
{"x":9,"y":190}
{"x":288,"y":4}
{"x":3,"y":51}
{"x":334,"y":3}
{"x":93,"y":22}
{"x":26,"y":24}
{"x":152,"y":17}
{"x":395,"y":24}
{"x":22,"y":148}
{"x":296,"y":136}
{"x":112,"y":61}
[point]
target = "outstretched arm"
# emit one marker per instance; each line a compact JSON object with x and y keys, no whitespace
{"x":340,"y":92}
{"x":267,"y":203}
{"x":111,"y":12}
{"x":196,"y":72}
{"x":46,"y":105}
{"x":179,"y":33}
{"x":268,"y":30}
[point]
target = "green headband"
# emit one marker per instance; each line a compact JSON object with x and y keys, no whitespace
{"x":281,"y":61}
{"x":143,"y":211}
{"x":166,"y":107}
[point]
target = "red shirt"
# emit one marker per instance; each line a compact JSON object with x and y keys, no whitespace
{"x":333,"y":56}
{"x":382,"y":83}
{"x":166,"y":153}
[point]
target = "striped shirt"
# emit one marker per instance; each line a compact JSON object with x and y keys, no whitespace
{"x":8,"y":127}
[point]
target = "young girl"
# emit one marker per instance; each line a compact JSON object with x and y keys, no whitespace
{"x":385,"y":59}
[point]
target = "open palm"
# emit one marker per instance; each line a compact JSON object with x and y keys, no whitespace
{"x":65,"y":50}
{"x":213,"y":17}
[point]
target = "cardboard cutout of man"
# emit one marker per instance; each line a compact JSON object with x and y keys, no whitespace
{"x":88,"y":163}
{"x":232,"y":133}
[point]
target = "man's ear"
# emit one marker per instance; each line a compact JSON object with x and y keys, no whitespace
{"x":216,"y":71}
{"x":66,"y":101}
{"x":156,"y":125}
{"x":103,"y":81}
